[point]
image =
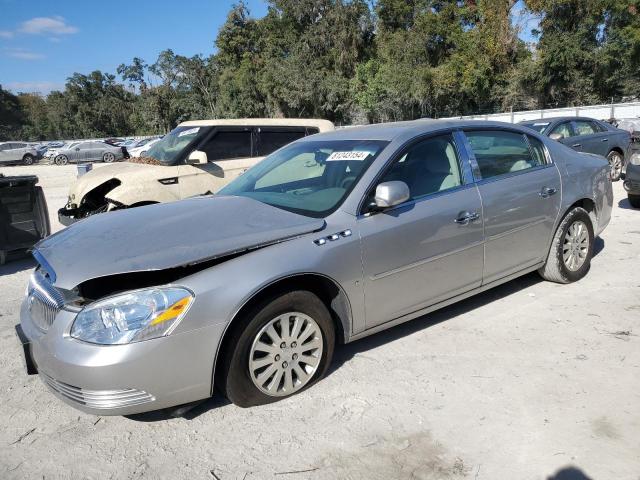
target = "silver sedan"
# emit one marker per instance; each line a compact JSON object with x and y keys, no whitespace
{"x":332,"y":238}
{"x":89,"y":151}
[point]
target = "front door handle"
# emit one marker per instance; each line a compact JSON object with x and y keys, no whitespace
{"x":547,"y":192}
{"x":605,"y":139}
{"x":465,"y":218}
{"x":576,"y":145}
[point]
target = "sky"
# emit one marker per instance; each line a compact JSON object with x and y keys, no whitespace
{"x":43,"y":42}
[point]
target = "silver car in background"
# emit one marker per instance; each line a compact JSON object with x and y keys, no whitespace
{"x":88,"y":151}
{"x":327,"y":240}
{"x":17,"y":153}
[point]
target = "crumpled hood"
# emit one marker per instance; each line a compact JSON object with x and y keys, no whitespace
{"x":99,"y":174}
{"x":167,"y":235}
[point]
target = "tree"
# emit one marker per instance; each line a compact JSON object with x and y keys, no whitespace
{"x":11,"y":115}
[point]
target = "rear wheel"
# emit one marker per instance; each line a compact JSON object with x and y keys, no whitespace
{"x":108,"y":157}
{"x":570,"y":255}
{"x":281,"y":347}
{"x":27,"y":159}
{"x":615,"y":161}
{"x":634,"y":200}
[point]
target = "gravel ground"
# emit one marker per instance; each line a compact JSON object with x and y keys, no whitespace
{"x":530,"y":380}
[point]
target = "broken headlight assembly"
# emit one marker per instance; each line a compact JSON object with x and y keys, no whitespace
{"x":133,"y":316}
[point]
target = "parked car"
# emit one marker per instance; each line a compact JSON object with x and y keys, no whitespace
{"x":632,"y":180}
{"x":114,"y":141}
{"x":142,"y":147}
{"x":195,"y":158}
{"x":329,"y":239}
{"x":589,"y":136}
{"x":17,"y":153}
{"x":89,"y":151}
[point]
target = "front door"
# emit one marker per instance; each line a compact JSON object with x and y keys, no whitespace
{"x":521,"y":192}
{"x":229,"y":154}
{"x":428,"y":249}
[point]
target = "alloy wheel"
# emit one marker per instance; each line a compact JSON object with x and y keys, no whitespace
{"x":575,"y":248}
{"x":285,"y":354}
{"x":615,"y":161}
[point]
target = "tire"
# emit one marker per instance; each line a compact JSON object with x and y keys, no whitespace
{"x":616,"y":161}
{"x":61,"y":160}
{"x":108,"y":157}
{"x":239,"y":381}
{"x":27,"y":159}
{"x":634,"y":200}
{"x":557,"y":268}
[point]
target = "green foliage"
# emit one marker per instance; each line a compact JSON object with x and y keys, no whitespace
{"x":354,"y":61}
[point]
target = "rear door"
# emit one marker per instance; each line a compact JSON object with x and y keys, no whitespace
{"x":229,"y":153}
{"x":4,"y":152}
{"x":430,"y":248}
{"x":520,"y":189}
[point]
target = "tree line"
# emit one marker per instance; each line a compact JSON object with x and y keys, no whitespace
{"x":351,"y":61}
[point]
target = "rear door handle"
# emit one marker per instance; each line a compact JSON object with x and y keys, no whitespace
{"x":576,"y":145}
{"x":547,"y":192}
{"x":605,"y":139}
{"x":465,"y":218}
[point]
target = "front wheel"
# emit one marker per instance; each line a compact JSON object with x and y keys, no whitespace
{"x":281,"y":347}
{"x":615,"y":161}
{"x":570,"y":255}
{"x":61,"y":160}
{"x":27,"y":159}
{"x":634,"y":200}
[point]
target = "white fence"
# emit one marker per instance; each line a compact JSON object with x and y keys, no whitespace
{"x":602,"y":112}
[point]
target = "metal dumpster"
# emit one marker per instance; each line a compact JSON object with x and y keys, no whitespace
{"x":24,"y":218}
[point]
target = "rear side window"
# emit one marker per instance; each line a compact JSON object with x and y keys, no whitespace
{"x":500,"y":153}
{"x":270,"y":140}
{"x":228,"y":144}
{"x":584,"y":128}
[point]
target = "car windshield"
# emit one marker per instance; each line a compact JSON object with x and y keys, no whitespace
{"x":167,"y":150}
{"x":311,"y":178}
{"x":537,"y":126}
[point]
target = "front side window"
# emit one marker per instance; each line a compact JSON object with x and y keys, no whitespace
{"x":563,"y":129}
{"x":429,"y":166}
{"x":311,"y":178}
{"x":583,"y":127}
{"x":500,"y":152}
{"x":226,"y":144}
{"x":168,"y":150}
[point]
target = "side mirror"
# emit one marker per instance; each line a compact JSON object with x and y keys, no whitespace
{"x":197,"y":158}
{"x":390,"y":194}
{"x":77,"y":149}
{"x":556,"y":136}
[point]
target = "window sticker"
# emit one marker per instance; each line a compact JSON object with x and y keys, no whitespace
{"x":347,"y":156}
{"x":540,"y":124}
{"x":189,"y":132}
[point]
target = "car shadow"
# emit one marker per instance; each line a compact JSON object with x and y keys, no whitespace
{"x":598,"y":246}
{"x":569,"y":473}
{"x":624,"y":204}
{"x":25,"y":262}
{"x":344,"y":353}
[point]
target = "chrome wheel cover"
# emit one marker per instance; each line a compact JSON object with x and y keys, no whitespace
{"x":575,"y":246}
{"x":109,"y":157}
{"x":285,"y":354}
{"x":616,"y":165}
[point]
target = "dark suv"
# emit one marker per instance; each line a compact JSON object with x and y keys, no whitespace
{"x":589,"y":136}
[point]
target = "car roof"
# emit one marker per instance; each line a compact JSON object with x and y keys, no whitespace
{"x":558,"y":119}
{"x":392,"y":130}
{"x":323,"y":125}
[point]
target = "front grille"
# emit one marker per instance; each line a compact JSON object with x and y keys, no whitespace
{"x":44,"y":301}
{"x":98,"y":399}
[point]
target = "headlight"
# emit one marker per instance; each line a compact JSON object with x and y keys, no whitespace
{"x":635,"y":159}
{"x":132,"y":317}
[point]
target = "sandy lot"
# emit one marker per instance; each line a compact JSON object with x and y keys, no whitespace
{"x":531,"y":380}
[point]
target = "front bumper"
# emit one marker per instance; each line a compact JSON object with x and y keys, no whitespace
{"x":68,"y":216}
{"x":122,"y":379}
{"x":632,"y":179}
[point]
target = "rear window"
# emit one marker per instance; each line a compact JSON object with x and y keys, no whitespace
{"x":270,"y":139}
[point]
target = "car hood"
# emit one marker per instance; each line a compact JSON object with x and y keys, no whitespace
{"x":133,"y":172}
{"x":168,"y":235}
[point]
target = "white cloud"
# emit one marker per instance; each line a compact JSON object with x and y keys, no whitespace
{"x":6,"y":34}
{"x":56,"y":25}
{"x":34,"y":87}
{"x":23,"y":54}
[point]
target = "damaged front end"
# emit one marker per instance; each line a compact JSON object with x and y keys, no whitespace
{"x":94,"y":202}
